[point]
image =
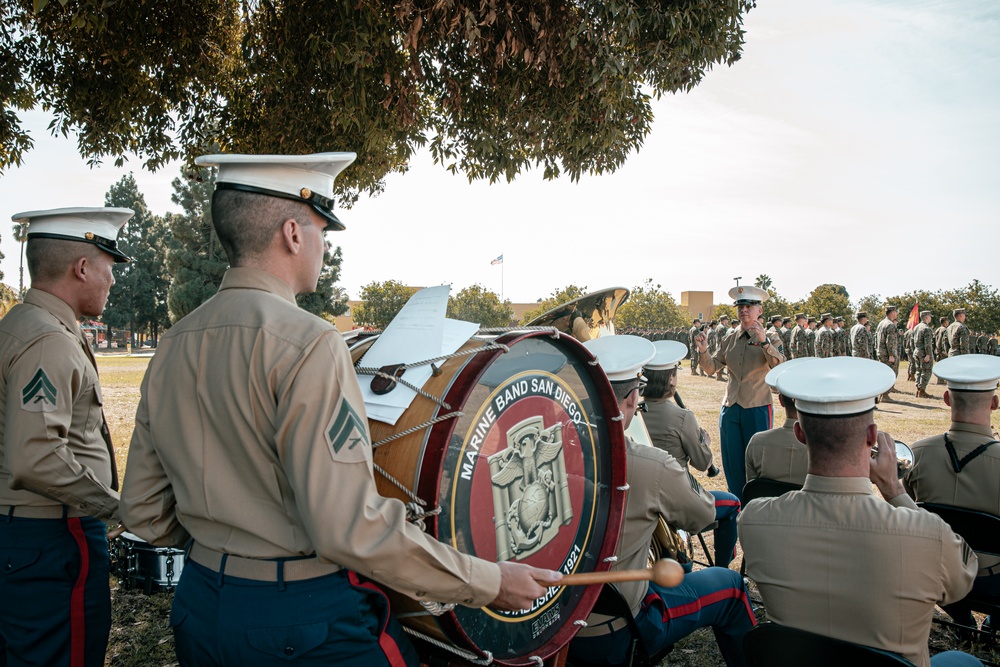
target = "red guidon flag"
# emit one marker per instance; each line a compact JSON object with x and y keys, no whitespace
{"x":914,"y":319}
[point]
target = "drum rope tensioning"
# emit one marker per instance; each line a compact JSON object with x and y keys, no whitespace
{"x":510,"y":455}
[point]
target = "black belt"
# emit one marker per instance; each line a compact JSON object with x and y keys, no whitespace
{"x":41,"y":512}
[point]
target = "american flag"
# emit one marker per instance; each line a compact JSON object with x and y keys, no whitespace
{"x":498,"y":260}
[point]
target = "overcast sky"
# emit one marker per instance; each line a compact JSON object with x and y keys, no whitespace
{"x":856,"y":142}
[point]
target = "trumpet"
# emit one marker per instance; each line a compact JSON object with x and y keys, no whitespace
{"x":904,"y":458}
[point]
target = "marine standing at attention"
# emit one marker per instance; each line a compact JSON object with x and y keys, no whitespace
{"x":251,"y":439}
{"x":923,"y":354}
{"x":58,"y":479}
{"x":959,"y":336}
{"x":887,"y":342}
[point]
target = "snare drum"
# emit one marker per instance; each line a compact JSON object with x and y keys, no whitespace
{"x":141,"y":565}
{"x":525,"y":466}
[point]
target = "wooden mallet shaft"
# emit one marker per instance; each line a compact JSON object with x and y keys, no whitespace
{"x":665,"y":572}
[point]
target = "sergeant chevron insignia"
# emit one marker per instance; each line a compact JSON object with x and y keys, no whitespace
{"x":39,"y":395}
{"x":347,"y":429}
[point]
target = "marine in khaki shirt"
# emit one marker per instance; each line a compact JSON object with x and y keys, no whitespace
{"x":54,"y":452}
{"x":833,"y":558}
{"x":660,"y":486}
{"x":749,"y":354}
{"x":251,"y":438}
{"x":675,"y":430}
{"x":962,"y":466}
{"x":58,"y":478}
{"x":777,"y":454}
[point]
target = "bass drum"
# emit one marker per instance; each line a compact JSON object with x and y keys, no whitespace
{"x":522,"y":463}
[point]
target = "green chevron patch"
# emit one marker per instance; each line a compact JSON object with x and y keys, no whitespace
{"x":39,"y":395}
{"x":347,"y":429}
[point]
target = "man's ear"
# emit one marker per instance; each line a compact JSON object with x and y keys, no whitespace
{"x":80,"y":268}
{"x":871,"y":434}
{"x":799,"y":433}
{"x":947,"y":398}
{"x":291,"y":235}
{"x":995,"y":402}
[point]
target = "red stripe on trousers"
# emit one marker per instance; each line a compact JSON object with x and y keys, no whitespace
{"x":710,"y":599}
{"x":770,"y":416}
{"x":385,"y":641}
{"x":77,"y":610}
{"x":726,"y":503}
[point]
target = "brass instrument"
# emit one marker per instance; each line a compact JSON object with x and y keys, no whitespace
{"x":904,"y":458}
{"x":669,"y":542}
{"x":597,"y":311}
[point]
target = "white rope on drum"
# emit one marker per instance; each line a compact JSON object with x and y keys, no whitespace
{"x":468,"y":656}
{"x":418,"y":427}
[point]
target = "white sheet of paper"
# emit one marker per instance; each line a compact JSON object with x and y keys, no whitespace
{"x":419,"y":332}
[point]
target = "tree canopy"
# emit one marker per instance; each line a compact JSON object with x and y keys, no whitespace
{"x":557,"y":297}
{"x":138,"y":299}
{"x":478,"y":304}
{"x":492,"y":86}
{"x":380,"y":302}
{"x":650,"y":307}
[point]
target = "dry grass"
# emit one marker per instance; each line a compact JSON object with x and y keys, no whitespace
{"x":140,"y":636}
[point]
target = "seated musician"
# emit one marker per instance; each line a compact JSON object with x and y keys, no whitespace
{"x":776,"y":453}
{"x":833,"y":558}
{"x":962,"y":467}
{"x":659,"y":485}
{"x":676,"y":431}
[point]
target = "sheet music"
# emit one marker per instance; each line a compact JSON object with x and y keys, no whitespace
{"x":419,"y":332}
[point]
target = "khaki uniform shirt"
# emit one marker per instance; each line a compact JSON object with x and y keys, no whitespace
{"x":836,"y":560}
{"x":747,"y":364}
{"x":658,"y":485}
{"x":675,"y":430}
{"x":933,"y":479}
{"x":777,"y":454}
{"x":52,"y":451}
{"x":251,"y":437}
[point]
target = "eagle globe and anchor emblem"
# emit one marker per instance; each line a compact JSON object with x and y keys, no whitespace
{"x":531,"y":496}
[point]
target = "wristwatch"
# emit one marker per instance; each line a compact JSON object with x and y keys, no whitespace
{"x":764,"y":343}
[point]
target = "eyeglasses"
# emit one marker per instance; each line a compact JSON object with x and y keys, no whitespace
{"x":641,"y":388}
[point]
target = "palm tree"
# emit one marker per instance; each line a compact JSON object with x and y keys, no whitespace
{"x":763,"y":281}
{"x":21,"y":235}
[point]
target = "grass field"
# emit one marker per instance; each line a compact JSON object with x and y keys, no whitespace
{"x":140,"y":633}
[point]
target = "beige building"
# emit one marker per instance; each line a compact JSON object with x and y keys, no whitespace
{"x":698,"y":304}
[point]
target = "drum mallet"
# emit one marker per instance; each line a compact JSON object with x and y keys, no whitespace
{"x":665,"y":572}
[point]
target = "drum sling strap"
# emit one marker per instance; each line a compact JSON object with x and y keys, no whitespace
{"x":959,"y":464}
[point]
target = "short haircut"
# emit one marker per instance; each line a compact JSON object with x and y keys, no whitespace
{"x":623,"y":389}
{"x":49,"y":259}
{"x":970,"y":401}
{"x":246,"y":222}
{"x":658,"y":385}
{"x":832,"y":436}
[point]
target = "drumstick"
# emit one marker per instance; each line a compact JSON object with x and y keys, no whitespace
{"x":666,"y":572}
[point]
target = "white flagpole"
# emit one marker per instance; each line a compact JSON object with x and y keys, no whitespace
{"x":501,"y":278}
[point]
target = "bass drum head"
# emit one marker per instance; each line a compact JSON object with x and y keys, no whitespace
{"x":532,"y":473}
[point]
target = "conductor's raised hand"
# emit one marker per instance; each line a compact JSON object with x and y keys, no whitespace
{"x":701,"y":342}
{"x":521,"y":585}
